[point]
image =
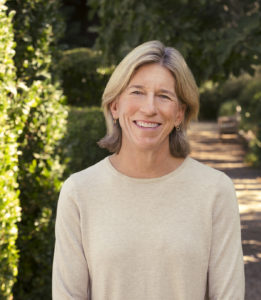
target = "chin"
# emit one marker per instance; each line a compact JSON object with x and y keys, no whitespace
{"x":147,"y":146}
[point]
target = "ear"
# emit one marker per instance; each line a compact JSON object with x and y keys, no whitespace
{"x":181,"y":113}
{"x":114,"y":108}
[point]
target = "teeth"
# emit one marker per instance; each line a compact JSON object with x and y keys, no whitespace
{"x":143,"y":124}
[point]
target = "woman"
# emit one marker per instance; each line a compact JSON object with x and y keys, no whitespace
{"x":148,"y":221}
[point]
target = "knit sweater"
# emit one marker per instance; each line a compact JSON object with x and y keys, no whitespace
{"x":174,"y":237}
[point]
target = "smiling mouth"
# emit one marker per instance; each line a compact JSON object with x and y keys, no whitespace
{"x":142,"y":124}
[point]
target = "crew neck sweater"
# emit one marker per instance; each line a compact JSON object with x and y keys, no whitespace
{"x":174,"y":237}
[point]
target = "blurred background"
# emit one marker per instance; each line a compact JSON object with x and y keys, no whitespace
{"x":55,"y":59}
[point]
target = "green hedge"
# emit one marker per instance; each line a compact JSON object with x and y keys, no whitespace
{"x":250,"y":100}
{"x":38,"y":26}
{"x":40,"y":170}
{"x":9,"y":201}
{"x":85,"y":127}
{"x":39,"y":178}
{"x":209,"y":104}
{"x":212,"y":96}
{"x":245,"y":92}
{"x":83,"y":78}
{"x":228,"y":108}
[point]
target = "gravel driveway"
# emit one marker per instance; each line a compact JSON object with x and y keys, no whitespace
{"x":226,"y":154}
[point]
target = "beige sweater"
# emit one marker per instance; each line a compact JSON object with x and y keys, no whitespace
{"x":174,"y":237}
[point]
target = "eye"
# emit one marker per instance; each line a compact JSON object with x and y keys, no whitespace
{"x":164,"y":96}
{"x":136,"y":92}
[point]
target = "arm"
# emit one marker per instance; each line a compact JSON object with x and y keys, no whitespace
{"x":226,"y":266}
{"x":70,"y":279}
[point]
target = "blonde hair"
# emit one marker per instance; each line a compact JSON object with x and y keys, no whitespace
{"x":185,"y":87}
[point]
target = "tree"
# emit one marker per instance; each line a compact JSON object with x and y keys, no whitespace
{"x":216,"y":37}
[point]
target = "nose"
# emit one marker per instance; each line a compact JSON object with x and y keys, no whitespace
{"x":148,"y":106}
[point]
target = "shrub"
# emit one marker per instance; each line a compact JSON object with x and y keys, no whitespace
{"x":212,"y":96}
{"x":244,"y":91}
{"x":228,"y":108}
{"x":254,"y":152}
{"x":9,"y":201}
{"x":233,"y":87}
{"x":209,"y":104}
{"x":83,"y":78}
{"x":39,"y":167}
{"x":247,"y":93}
{"x":85,"y":127}
{"x":38,"y":26}
{"x":251,"y":112}
{"x":39,"y":178}
{"x":250,"y":100}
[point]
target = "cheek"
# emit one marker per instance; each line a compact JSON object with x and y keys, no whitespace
{"x":128,"y":107}
{"x":178,"y":112}
{"x":170,"y":112}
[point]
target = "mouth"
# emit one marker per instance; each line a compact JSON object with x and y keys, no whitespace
{"x":146,"y":124}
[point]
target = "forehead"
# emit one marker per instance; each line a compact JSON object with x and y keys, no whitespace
{"x":153,"y":74}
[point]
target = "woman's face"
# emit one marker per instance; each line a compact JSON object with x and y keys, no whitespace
{"x":148,"y":109}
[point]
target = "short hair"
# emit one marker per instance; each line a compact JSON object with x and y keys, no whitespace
{"x":185,"y":88}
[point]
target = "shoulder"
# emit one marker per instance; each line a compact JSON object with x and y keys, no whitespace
{"x":84,"y":181}
{"x":213,"y":184}
{"x":203,"y":173}
{"x":79,"y":184}
{"x":89,"y":175}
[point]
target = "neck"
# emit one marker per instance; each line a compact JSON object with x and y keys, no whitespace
{"x":145,"y":163}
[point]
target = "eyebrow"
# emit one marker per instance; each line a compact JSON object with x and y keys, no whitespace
{"x":135,"y":86}
{"x":161,"y":90}
{"x":168,"y":92}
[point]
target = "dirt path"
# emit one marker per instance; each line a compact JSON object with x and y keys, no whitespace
{"x":227,"y":155}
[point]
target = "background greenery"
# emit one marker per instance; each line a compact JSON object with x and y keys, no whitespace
{"x":243,"y":92}
{"x":83,"y":79}
{"x":36,"y":28}
{"x":55,"y":59}
{"x":9,"y":202}
{"x":86,"y":127}
{"x":216,"y":37}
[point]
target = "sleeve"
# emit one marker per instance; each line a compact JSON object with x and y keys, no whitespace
{"x":226,"y":278}
{"x":70,"y":277}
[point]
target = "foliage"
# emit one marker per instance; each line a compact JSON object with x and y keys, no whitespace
{"x":246,"y":91}
{"x":240,"y":89}
{"x":76,"y":30}
{"x":36,"y":27}
{"x":86,"y":126}
{"x":254,"y":151}
{"x":83,"y":78}
{"x":250,"y":101}
{"x":209,"y":102}
{"x":9,"y":201}
{"x":228,"y":108}
{"x":40,"y":174}
{"x":216,"y":37}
